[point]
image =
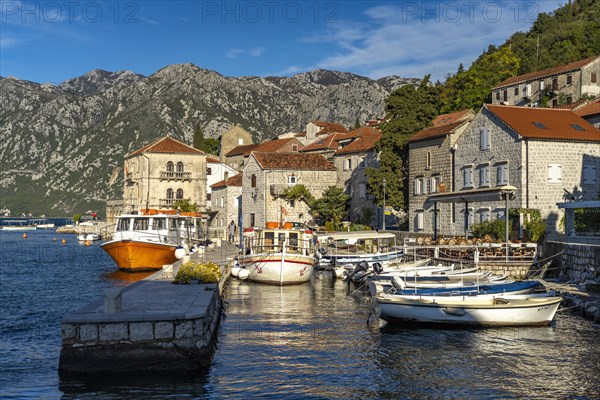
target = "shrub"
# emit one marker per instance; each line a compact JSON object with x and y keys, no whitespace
{"x":207,"y":272}
{"x":536,"y":229}
{"x":494,"y":228}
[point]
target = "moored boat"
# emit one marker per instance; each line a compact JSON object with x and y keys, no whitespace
{"x":343,"y":248}
{"x":278,"y":256}
{"x":17,"y":225}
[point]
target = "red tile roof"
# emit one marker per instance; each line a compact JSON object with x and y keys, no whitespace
{"x":330,"y":142}
{"x":545,"y":123}
{"x":329,"y":127}
{"x":365,"y":140}
{"x":166,"y":145}
{"x":591,"y":108}
{"x":241,"y":150}
{"x":546,"y":72}
{"x":235,"y":180}
{"x":451,"y":118}
{"x":276,"y":144}
{"x":435,"y":131}
{"x":212,"y":159}
{"x":294,"y":161}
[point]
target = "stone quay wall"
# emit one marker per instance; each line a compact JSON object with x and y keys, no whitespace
{"x":579,"y":263}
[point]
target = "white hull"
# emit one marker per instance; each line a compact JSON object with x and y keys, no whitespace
{"x":479,"y":312}
{"x":275,"y":268}
{"x":90,"y":236}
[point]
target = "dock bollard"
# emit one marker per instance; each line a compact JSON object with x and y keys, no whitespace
{"x":113,"y":300}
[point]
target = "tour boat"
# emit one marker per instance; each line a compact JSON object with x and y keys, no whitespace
{"x":147,"y":241}
{"x":277,"y":255}
{"x":18,"y":225}
{"x":463,"y":310}
{"x":342,"y":248}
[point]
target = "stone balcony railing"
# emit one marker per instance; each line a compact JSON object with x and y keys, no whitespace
{"x":172,"y":175}
{"x":166,"y":202}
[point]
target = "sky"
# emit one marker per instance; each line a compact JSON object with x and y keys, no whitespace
{"x":52,"y":41}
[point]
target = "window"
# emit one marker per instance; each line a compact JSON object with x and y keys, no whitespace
{"x":170,"y":167}
{"x":433,"y":183}
{"x":169,"y":194}
{"x":179,"y":166}
{"x":348,"y":164}
{"x":502,"y":174}
{"x":484,"y":139}
{"x":222,"y":201}
{"x":498,"y":95}
{"x":554,"y":84}
{"x":123,"y":224}
{"x":294,"y":147}
{"x":484,"y":215}
{"x":569,"y":99}
{"x":179,"y":194}
{"x":554,"y":173}
{"x":362,"y":190}
{"x":252,"y":220}
{"x":140,"y":224}
{"x":554,"y":102}
{"x":208,"y":171}
{"x":208,"y":196}
{"x":484,"y":176}
{"x":292,"y":203}
{"x":470,"y":219}
{"x":240,"y":141}
{"x":589,"y":173}
{"x":539,"y":125}
{"x":292,"y":179}
{"x":428,"y":160}
{"x":577,"y":127}
{"x":468,"y":177}
{"x":569,"y":79}
{"x":505,"y":95}
{"x":253,"y":178}
{"x":541,"y":85}
{"x":517,"y":91}
{"x":419,"y":221}
{"x":593,"y":78}
{"x":419,"y":186}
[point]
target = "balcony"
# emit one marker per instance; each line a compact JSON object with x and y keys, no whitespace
{"x":172,"y":175}
{"x":166,"y":202}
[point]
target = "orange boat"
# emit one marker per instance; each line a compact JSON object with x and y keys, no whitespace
{"x":145,"y":242}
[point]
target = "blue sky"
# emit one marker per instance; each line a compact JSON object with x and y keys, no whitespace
{"x":51,"y":41}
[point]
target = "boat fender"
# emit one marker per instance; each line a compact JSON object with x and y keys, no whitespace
{"x":243,"y":274}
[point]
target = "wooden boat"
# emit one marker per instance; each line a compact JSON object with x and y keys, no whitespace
{"x":475,"y":311}
{"x":278,"y":256}
{"x":147,"y":242}
{"x":342,"y":248}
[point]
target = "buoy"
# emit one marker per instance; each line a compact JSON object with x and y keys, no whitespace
{"x":64,"y":241}
{"x":179,"y":253}
{"x":24,"y":236}
{"x":87,"y":243}
{"x":243,"y":274}
{"x":54,"y":239}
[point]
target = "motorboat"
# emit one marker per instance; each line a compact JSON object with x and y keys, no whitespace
{"x":343,"y":248}
{"x":17,"y":225}
{"x":464,"y":310}
{"x":84,"y":237}
{"x":279,"y":256}
{"x":147,"y":240}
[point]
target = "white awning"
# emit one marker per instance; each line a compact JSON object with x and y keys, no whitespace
{"x":474,"y":195}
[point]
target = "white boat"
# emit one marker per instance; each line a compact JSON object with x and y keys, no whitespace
{"x":278,"y":256}
{"x":18,"y":225}
{"x":147,"y":241}
{"x":475,"y":311}
{"x":84,"y":237}
{"x":342,"y":248}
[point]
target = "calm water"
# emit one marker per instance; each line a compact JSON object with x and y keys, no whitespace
{"x":309,"y":341}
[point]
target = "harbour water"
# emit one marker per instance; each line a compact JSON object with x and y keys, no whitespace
{"x":308,"y":341}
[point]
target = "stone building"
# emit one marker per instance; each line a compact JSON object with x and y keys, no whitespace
{"x":356,"y":152}
{"x":227,"y":198}
{"x":216,"y":171}
{"x":535,"y":155}
{"x":163,"y":172}
{"x":319,"y":129}
{"x":267,"y":175}
{"x":551,"y":87}
{"x":237,"y":156}
{"x":590,"y":111}
{"x":232,"y":138}
{"x":431,"y":157}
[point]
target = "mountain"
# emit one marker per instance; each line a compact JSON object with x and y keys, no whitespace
{"x":61,"y":147}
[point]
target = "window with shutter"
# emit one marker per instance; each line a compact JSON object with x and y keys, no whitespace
{"x":419,"y":221}
{"x":468,"y":177}
{"x":589,"y":174}
{"x":484,"y":176}
{"x":554,"y":173}
{"x":502,"y":174}
{"x":484,"y":139}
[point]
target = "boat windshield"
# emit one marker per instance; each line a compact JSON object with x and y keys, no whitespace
{"x":123,"y":224}
{"x":173,"y":225}
{"x":159,"y":224}
{"x":140,"y":224}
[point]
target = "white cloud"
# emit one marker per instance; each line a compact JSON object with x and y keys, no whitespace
{"x":148,"y":20}
{"x":235,"y":53}
{"x":6,"y":42}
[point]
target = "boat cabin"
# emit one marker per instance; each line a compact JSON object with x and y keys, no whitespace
{"x":370,"y":242}
{"x":166,"y":228}
{"x":295,"y":241}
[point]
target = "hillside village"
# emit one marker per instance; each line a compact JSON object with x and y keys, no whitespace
{"x":526,"y":151}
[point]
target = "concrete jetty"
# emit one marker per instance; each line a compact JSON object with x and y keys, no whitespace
{"x":150,"y":326}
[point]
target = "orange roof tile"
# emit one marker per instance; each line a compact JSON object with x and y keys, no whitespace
{"x":329,"y":127}
{"x":275,"y":145}
{"x":327,"y":143}
{"x":451,"y":118}
{"x":545,"y":123}
{"x":166,"y":145}
{"x":591,"y":108}
{"x":550,"y":71}
{"x":294,"y":161}
{"x":241,"y":150}
{"x":365,"y":140}
{"x":235,"y":180}
{"x":212,"y":159}
{"x":435,"y":131}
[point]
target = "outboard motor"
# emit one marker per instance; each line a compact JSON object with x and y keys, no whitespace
{"x":360,"y":269}
{"x":377,"y":268}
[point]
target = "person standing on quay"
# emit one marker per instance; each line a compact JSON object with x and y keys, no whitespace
{"x":231,"y":232}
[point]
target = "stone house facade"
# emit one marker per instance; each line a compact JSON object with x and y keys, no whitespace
{"x":316,"y":129}
{"x":267,"y":175}
{"x":216,"y":171}
{"x":564,"y":84}
{"x":431,"y":158}
{"x":540,"y":152}
{"x":227,"y":198}
{"x":163,"y":172}
{"x":238,"y":156}
{"x":232,"y":138}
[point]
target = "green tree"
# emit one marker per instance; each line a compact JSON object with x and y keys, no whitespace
{"x":409,"y":109}
{"x":331,"y":207}
{"x":185,"y":205}
{"x":207,"y":145}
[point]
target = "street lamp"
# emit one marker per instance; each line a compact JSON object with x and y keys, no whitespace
{"x":384,"y":183}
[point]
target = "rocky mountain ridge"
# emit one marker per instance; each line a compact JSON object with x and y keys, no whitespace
{"x":61,"y":146}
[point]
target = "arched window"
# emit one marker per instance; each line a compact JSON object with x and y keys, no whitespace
{"x":170,"y":167}
{"x":179,"y":166}
{"x":179,"y":194}
{"x":169,"y":196}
